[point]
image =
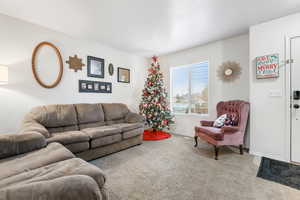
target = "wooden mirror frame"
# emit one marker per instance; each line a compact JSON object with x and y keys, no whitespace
{"x":37,"y":78}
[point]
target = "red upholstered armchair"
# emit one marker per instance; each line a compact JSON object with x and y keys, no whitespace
{"x":227,"y":135}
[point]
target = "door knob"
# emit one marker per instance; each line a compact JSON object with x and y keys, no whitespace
{"x":296,"y":106}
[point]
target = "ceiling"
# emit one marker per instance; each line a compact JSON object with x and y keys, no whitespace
{"x":147,"y":27}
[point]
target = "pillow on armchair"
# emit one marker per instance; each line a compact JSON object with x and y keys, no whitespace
{"x":220,"y":122}
{"x":232,"y":119}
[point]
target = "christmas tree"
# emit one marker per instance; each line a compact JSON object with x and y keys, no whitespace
{"x":154,"y":106}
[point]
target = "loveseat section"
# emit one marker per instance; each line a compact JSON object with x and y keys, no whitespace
{"x":85,"y":127}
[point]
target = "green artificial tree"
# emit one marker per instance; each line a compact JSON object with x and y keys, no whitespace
{"x":154,"y":106}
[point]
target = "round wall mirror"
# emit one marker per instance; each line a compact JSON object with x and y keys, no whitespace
{"x":47,"y":65}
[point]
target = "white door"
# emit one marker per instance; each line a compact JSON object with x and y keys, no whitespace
{"x":295,"y":99}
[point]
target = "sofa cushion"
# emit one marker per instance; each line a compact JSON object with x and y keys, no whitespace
{"x":33,"y":126}
{"x":53,"y":153}
{"x":68,"y":137}
{"x":70,"y":167}
{"x":128,"y":126}
{"x":52,"y":116}
{"x":91,"y":125}
{"x":88,"y":113}
{"x":14,"y":144}
{"x":215,"y":133}
{"x":134,"y":118}
{"x":98,"y":142}
{"x":101,"y":131}
{"x":63,"y":129}
{"x":133,"y":133}
{"x":75,"y":187}
{"x":78,"y":147}
{"x":119,"y":121}
{"x":114,"y":111}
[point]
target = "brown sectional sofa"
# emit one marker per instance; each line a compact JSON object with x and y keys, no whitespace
{"x":88,"y":130}
{"x":38,"y":163}
{"x":31,"y":170}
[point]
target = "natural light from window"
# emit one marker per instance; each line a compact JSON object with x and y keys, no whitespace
{"x":189,"y":89}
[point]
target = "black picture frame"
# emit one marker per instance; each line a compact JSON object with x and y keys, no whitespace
{"x":92,"y":64}
{"x":123,"y":70}
{"x":86,"y":86}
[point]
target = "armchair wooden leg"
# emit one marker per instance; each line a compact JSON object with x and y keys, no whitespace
{"x":196,"y":141}
{"x":241,"y":149}
{"x":216,"y":152}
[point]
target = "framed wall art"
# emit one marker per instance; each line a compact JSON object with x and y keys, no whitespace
{"x":123,"y":75}
{"x":111,"y":69}
{"x":86,"y":86}
{"x":95,"y":67}
{"x":267,"y":66}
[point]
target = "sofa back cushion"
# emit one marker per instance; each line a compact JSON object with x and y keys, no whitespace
{"x":114,"y":112}
{"x":89,"y":115}
{"x":56,"y":118}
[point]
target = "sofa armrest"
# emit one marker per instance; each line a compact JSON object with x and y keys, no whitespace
{"x":229,"y":129}
{"x":15,"y":144}
{"x":33,"y":126}
{"x":206,"y":123}
{"x":134,"y":118}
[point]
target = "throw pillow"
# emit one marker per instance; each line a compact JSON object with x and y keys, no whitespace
{"x":220,"y":121}
{"x":233,"y":119}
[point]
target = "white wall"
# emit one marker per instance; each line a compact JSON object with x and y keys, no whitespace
{"x":269,"y":123}
{"x":17,"y":41}
{"x":233,"y":49}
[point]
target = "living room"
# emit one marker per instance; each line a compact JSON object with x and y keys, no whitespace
{"x":116,"y":100}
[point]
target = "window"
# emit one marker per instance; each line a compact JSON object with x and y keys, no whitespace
{"x":189,"y":89}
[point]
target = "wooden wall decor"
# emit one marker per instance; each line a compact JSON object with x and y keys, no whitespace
{"x":60,"y":62}
{"x":75,"y":63}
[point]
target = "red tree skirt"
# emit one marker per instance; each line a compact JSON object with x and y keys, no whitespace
{"x":155,"y":135}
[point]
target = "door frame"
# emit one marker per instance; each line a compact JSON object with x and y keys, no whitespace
{"x":288,"y":94}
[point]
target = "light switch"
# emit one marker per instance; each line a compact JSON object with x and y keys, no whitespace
{"x":275,"y":93}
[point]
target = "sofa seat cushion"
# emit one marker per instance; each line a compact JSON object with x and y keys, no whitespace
{"x":215,"y":133}
{"x":69,"y":137}
{"x":66,"y":168}
{"x":53,"y":153}
{"x":101,"y":131}
{"x":102,"y":141}
{"x":128,"y":126}
{"x":75,"y":187}
{"x":78,"y":147}
{"x":133,"y":133}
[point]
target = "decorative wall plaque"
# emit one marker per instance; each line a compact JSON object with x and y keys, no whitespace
{"x":111,"y":69}
{"x":75,"y":63}
{"x":267,"y":66}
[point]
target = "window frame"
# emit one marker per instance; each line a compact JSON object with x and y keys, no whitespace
{"x":190,"y":89}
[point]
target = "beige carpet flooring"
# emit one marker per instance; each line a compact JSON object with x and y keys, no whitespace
{"x":174,"y":170}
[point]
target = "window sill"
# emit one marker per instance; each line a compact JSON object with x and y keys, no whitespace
{"x":191,"y":114}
